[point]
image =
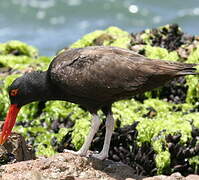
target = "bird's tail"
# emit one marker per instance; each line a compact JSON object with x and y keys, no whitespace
{"x":188,"y":69}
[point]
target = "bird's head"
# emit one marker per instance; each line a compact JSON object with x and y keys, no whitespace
{"x":23,"y":90}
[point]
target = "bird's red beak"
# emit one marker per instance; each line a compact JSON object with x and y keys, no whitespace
{"x":9,"y":122}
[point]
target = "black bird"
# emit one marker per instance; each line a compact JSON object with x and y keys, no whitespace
{"x":93,"y":77}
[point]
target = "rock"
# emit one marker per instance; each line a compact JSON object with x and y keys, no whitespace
{"x":99,"y":41}
{"x":155,"y":178}
{"x":192,"y":177}
{"x":15,"y":149}
{"x":174,"y":176}
{"x":66,"y":166}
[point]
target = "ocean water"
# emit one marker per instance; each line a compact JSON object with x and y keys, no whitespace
{"x":53,"y":24}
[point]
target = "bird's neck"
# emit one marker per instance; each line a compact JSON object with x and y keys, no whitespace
{"x":45,"y":88}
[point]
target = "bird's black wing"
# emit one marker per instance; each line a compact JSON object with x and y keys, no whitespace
{"x":109,"y":73}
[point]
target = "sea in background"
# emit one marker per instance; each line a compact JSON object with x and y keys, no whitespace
{"x":51,"y":25}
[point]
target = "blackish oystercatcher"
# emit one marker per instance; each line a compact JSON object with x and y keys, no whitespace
{"x":93,"y":77}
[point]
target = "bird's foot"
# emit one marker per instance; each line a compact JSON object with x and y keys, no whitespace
{"x":100,"y":156}
{"x":80,"y":153}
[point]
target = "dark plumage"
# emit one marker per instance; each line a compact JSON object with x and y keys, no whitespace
{"x":93,"y":77}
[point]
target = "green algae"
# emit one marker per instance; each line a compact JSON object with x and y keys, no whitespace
{"x":166,"y":121}
{"x":87,"y":40}
{"x":154,"y":130}
{"x":195,"y":162}
{"x":163,"y":161}
{"x":116,"y":37}
{"x":81,"y":129}
{"x":19,"y":48}
{"x":160,"y":53}
{"x":23,"y":62}
{"x":27,"y":56}
{"x":193,"y":81}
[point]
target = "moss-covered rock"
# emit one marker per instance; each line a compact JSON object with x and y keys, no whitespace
{"x":18,"y":48}
{"x":112,"y":36}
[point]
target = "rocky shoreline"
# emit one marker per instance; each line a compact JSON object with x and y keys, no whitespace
{"x":145,"y":139}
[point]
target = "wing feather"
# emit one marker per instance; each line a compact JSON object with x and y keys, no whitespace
{"x":109,"y":72}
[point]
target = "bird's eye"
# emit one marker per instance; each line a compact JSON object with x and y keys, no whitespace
{"x":14,"y":92}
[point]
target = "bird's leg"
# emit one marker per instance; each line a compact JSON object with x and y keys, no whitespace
{"x":109,"y":131}
{"x":94,"y":128}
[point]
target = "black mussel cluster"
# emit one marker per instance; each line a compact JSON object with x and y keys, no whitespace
{"x":124,"y":148}
{"x":170,"y":37}
{"x":180,"y":153}
{"x":6,"y":158}
{"x":174,"y":91}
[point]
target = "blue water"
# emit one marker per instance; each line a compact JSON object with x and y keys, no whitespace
{"x":53,"y":24}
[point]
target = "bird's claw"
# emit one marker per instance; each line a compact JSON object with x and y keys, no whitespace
{"x":75,"y":152}
{"x":100,"y":156}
